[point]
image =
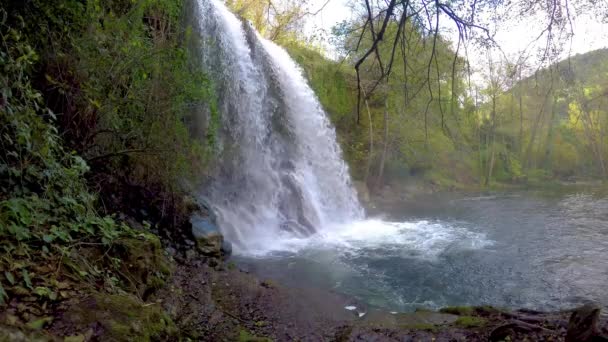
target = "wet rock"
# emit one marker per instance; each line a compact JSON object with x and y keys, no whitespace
{"x":206,"y":207}
{"x":190,"y":255}
{"x":171,"y":251}
{"x":583,"y":324}
{"x":226,"y":249}
{"x":295,"y":228}
{"x":209,"y":240}
{"x":297,"y":208}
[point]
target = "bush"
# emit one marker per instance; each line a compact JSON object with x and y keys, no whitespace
{"x":44,"y":202}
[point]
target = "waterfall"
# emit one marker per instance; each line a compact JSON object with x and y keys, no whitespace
{"x":280,"y":172}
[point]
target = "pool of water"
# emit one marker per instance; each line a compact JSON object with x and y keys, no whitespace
{"x":515,"y":250}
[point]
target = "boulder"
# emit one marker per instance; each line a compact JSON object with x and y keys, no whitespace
{"x":208,"y":238}
{"x":226,"y":248}
{"x":583,"y":324}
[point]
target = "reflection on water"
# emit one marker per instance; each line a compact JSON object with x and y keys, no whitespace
{"x":517,"y":250}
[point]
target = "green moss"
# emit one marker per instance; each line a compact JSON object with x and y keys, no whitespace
{"x":143,"y":262}
{"x":422,"y":326}
{"x":261,"y":323}
{"x":458,"y":310}
{"x":124,"y":318}
{"x":470,"y":322}
{"x":246,"y":336}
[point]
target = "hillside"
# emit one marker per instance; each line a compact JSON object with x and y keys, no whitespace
{"x":549,"y":137}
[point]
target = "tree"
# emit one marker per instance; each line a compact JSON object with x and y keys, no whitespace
{"x":276,"y":19}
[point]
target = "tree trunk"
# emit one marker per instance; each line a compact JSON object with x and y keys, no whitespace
{"x":371,"y":144}
{"x":380,"y":180}
{"x":527,"y":161}
{"x":493,"y":144}
{"x":521,"y":118}
{"x":596,"y":147}
{"x":549,"y":143}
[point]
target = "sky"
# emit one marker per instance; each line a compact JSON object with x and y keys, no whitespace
{"x":513,"y":36}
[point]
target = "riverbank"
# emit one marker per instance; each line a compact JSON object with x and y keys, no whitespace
{"x":225,"y":303}
{"x":207,"y":299}
{"x":412,"y":189}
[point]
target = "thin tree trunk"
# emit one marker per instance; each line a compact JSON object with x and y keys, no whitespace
{"x":371,"y":142}
{"x":521,"y":118}
{"x":493,"y":144}
{"x":380,"y":179}
{"x":480,"y":142}
{"x":540,"y":115}
{"x":595,"y":145}
{"x":549,"y":143}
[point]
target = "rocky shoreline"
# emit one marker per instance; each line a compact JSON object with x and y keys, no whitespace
{"x":223,"y":303}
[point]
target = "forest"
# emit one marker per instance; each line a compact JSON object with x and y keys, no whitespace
{"x":518,"y":124}
{"x":113,"y":128}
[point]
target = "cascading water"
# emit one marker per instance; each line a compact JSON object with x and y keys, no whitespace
{"x":281,"y":172}
{"x":281,"y":186}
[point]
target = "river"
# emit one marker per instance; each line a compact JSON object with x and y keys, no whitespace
{"x":536,"y":250}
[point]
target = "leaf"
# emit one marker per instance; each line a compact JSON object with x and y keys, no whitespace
{"x":3,"y":295}
{"x":26,"y":279}
{"x":45,"y":292}
{"x":39,"y":323}
{"x":10,"y":277}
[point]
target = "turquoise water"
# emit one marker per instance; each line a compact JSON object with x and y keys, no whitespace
{"x":515,"y":250}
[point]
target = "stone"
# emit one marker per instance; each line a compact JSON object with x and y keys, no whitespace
{"x":170,"y":251}
{"x":583,"y":324}
{"x":208,"y":238}
{"x":226,"y":249}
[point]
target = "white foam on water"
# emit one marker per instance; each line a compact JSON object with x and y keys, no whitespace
{"x":377,"y":238}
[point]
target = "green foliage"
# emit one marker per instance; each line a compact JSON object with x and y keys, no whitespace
{"x":426,"y":137}
{"x":92,"y":93}
{"x":439,"y":133}
{"x":44,"y":201}
{"x":139,"y":92}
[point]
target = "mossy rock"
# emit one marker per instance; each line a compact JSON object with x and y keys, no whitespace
{"x":246,"y":336}
{"x":143,"y":262}
{"x":120,"y":318}
{"x":12,"y":334}
{"x":458,"y":310}
{"x":423,"y":326}
{"x":470,"y":322}
{"x":482,"y":311}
